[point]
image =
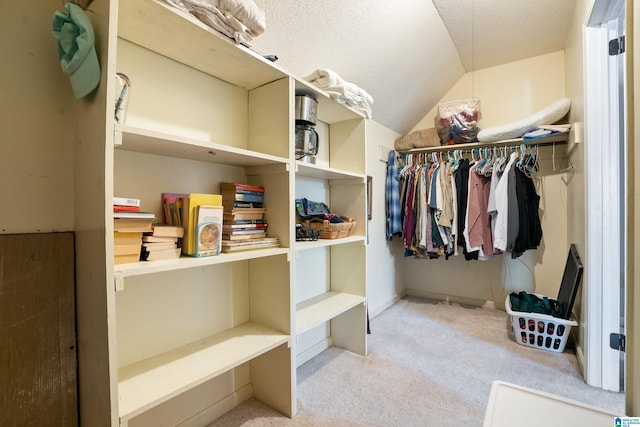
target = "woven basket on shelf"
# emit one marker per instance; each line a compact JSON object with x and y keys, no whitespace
{"x":329,"y":230}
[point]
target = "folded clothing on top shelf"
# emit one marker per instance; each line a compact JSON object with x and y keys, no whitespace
{"x":341,"y":90}
{"x":550,"y":114}
{"x":546,"y":130}
{"x":241,"y":20}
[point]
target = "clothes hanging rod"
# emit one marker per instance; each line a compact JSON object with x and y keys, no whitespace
{"x":561,"y":138}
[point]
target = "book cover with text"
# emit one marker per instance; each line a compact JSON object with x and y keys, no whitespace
{"x":209,"y":230}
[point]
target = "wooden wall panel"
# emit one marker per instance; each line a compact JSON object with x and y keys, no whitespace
{"x":38,"y":384}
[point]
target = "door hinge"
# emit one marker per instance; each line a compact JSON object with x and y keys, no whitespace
{"x":617,"y":46}
{"x":617,"y":341}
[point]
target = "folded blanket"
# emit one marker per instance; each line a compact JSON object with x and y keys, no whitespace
{"x":241,"y":20}
{"x":418,"y":139}
{"x":342,"y":91}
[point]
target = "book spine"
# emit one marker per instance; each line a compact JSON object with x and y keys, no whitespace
{"x":124,"y":208}
{"x":246,"y":187}
{"x":245,"y":222}
{"x":172,"y":207}
{"x":134,"y":215}
{"x":245,"y":197}
{"x":245,"y":231}
{"x":256,"y":193}
{"x":244,"y":226}
{"x":238,"y":204}
{"x":126,"y":201}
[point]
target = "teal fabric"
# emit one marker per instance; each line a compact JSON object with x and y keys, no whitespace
{"x":530,"y":303}
{"x":75,"y":48}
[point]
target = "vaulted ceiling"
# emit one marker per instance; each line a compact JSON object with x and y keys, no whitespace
{"x":407,"y":54}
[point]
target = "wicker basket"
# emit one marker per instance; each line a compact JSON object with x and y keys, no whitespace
{"x":329,"y":230}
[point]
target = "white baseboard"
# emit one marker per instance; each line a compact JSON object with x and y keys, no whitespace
{"x":221,"y":407}
{"x":374,"y":311}
{"x":580,"y":359}
{"x":450,"y":298}
{"x":313,"y":351}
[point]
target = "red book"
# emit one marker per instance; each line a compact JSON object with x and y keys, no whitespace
{"x":121,"y":208}
{"x":230,"y":186}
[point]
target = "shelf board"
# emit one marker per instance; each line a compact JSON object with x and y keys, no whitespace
{"x":322,"y":243}
{"x":150,"y":267}
{"x":151,"y":382}
{"x":561,"y":138}
{"x":329,"y":111}
{"x":317,"y":310}
{"x":153,"y":24}
{"x":314,"y":171}
{"x":153,"y":142}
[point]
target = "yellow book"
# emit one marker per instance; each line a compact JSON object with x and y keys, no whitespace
{"x":189,"y":217}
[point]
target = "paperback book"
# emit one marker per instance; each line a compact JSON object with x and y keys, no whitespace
{"x":250,"y":244}
{"x":209,"y":229}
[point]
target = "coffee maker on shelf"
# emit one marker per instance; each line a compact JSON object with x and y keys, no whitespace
{"x":306,"y":108}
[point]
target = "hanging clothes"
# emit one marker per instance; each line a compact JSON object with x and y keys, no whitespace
{"x":392,"y":198}
{"x":530,"y":230}
{"x":485,"y":206}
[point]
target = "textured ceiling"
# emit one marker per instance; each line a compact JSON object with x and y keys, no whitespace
{"x":407,"y":54}
{"x":493,"y":32}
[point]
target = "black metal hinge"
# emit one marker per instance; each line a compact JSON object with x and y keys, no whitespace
{"x":616,"y":46}
{"x":617,"y":341}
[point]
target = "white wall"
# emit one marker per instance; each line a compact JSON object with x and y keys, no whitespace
{"x":384,"y":257}
{"x":576,"y":228}
{"x":36,"y":124}
{"x":508,"y":92}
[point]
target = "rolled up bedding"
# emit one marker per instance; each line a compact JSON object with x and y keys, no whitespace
{"x":417,"y":139}
{"x":241,"y":20}
{"x":341,"y":90}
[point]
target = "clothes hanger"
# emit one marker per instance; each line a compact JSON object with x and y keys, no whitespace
{"x":482,"y":160}
{"x":487,"y":168}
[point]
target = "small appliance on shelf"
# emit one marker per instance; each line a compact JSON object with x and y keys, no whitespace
{"x":306,"y":108}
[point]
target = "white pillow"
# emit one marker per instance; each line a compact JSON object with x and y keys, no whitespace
{"x":547,"y":116}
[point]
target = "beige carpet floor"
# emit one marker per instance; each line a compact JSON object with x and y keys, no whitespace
{"x":429,"y":364}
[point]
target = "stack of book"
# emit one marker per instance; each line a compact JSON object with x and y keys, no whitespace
{"x":244,"y":224}
{"x":129,"y":224}
{"x":162,"y":242}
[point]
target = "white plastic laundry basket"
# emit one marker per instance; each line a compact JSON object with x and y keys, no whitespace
{"x":539,"y":330}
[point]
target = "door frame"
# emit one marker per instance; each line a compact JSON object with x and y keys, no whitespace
{"x":605,"y":135}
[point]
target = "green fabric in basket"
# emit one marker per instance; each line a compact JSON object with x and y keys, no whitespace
{"x":530,"y":303}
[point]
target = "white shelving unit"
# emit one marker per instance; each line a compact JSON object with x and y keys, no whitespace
{"x":148,"y":383}
{"x":185,"y":340}
{"x":315,"y":311}
{"x":330,"y":275}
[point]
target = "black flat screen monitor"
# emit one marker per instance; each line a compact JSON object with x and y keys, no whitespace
{"x":570,"y":282}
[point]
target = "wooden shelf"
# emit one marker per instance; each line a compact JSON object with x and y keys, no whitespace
{"x":149,"y":22}
{"x":150,"y":267}
{"x":314,"y":171}
{"x":322,"y":308}
{"x":322,"y":243}
{"x":561,"y":138}
{"x":160,"y":143}
{"x":151,"y":382}
{"x":329,"y":111}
